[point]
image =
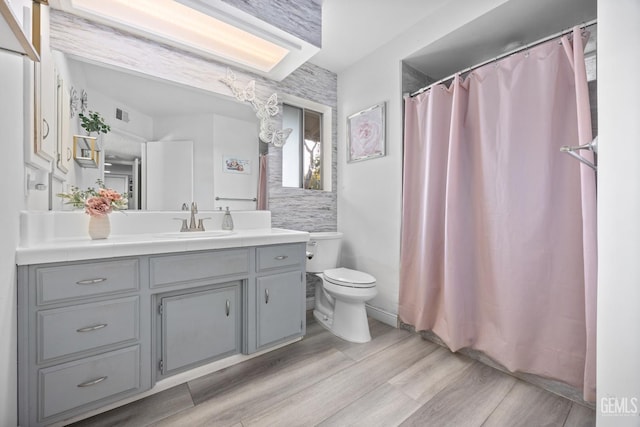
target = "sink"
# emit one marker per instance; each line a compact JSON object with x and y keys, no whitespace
{"x":196,"y":234}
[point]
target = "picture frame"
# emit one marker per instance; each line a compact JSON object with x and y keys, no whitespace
{"x":366,"y":134}
{"x":235,"y":164}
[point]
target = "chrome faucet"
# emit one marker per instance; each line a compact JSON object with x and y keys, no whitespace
{"x":192,"y":220}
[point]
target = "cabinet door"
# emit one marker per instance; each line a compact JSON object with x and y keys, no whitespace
{"x":199,"y":326}
{"x":280,"y":307}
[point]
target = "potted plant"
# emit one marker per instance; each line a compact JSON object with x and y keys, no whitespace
{"x":98,"y":203}
{"x":94,"y":123}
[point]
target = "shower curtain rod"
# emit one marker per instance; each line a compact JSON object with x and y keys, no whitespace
{"x":504,"y":55}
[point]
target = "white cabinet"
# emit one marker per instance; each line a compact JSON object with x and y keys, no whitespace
{"x":12,"y":36}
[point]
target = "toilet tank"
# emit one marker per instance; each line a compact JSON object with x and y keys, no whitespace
{"x":325,"y":248}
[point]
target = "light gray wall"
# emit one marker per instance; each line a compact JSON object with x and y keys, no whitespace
{"x":12,"y":123}
{"x":618,"y":212}
{"x":412,"y":79}
{"x":296,"y":208}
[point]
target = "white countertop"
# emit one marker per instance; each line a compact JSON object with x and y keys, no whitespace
{"x":76,"y":249}
{"x":62,"y":236}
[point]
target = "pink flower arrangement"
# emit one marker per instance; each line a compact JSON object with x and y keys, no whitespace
{"x":96,"y":202}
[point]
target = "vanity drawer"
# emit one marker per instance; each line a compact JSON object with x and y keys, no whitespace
{"x":68,"y":330}
{"x":71,"y":385}
{"x":171,"y":269}
{"x":75,"y":281}
{"x":270,"y":257}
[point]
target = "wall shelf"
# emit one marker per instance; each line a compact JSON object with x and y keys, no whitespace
{"x":85,"y":152}
{"x":12,"y":36}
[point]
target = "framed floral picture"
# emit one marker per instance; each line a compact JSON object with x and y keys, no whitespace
{"x":366,"y":134}
{"x":234,"y":164}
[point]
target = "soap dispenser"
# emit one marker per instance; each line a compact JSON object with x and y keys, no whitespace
{"x":227,"y":221}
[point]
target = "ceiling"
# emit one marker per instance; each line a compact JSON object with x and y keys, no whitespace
{"x":353,"y":29}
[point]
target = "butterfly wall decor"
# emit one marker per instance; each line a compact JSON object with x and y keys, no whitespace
{"x":269,"y":133}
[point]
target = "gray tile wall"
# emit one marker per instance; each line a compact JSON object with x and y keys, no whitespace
{"x":302,"y":18}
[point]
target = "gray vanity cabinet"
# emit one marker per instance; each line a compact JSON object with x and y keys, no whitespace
{"x":279,"y":300}
{"x":199,"y":326}
{"x":280,"y":293}
{"x":80,"y":339}
{"x":91,"y":333}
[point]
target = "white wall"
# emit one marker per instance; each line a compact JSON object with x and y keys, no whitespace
{"x":230,"y":136}
{"x":199,"y":129}
{"x":618,"y":210}
{"x":235,"y":137}
{"x":12,"y":190}
{"x":370,"y":192}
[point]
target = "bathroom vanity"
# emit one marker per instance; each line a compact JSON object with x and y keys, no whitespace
{"x":97,"y":328}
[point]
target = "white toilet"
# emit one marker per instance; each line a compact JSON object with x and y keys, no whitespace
{"x":339,"y":302}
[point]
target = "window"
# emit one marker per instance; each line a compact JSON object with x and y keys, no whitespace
{"x":302,"y":155}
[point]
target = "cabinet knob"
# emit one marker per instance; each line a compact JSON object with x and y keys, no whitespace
{"x":281,"y":257}
{"x":266,"y":296}
{"x":228,"y":308}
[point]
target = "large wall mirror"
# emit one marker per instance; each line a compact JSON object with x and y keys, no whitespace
{"x":169,"y":144}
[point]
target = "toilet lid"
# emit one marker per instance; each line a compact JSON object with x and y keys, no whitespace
{"x":348,"y":277}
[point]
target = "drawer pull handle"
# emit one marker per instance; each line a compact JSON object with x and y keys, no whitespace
{"x":92,"y":328}
{"x":266,"y":296}
{"x":228,"y":308}
{"x":91,"y":281}
{"x":281,"y":257}
{"x":92,"y":382}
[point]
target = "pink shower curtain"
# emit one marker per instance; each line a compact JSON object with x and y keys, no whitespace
{"x":263,"y":194}
{"x":498,"y":233}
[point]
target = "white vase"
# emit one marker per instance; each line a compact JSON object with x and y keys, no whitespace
{"x":99,"y":226}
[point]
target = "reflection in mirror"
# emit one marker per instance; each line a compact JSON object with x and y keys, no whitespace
{"x":168,"y":191}
{"x":84,"y":151}
{"x":302,"y":155}
{"x":141,"y":109}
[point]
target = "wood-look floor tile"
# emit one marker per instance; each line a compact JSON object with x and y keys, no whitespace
{"x":467,"y":402}
{"x":527,"y":405}
{"x":429,"y":376}
{"x":262,"y":392}
{"x":314,"y":404}
{"x":324,"y":379}
{"x":268,"y":364}
{"x":144,"y":411}
{"x":580,"y":416}
{"x":360,"y":351}
{"x":384,"y":406}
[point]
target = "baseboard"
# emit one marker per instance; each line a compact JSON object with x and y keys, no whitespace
{"x":373,"y":312}
{"x":390,"y":319}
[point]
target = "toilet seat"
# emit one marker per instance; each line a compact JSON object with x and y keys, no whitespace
{"x":349,"y":278}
